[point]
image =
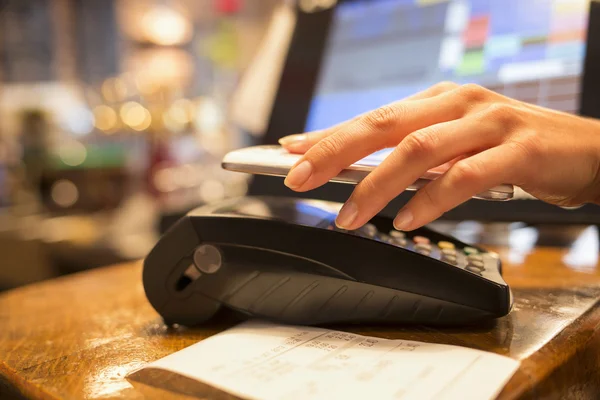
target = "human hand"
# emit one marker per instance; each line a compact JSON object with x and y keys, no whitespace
{"x":481,"y":139}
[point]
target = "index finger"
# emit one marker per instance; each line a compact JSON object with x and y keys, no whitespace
{"x":300,"y":143}
{"x":378,"y":129}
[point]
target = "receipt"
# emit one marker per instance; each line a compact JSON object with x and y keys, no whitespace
{"x":263,"y":361}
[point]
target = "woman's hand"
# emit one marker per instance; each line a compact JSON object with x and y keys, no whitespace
{"x":481,"y":138}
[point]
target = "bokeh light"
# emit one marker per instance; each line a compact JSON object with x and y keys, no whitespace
{"x":135,"y":116}
{"x":73,"y":153}
{"x":64,"y":193}
{"x":165,"y":26}
{"x":105,"y":118}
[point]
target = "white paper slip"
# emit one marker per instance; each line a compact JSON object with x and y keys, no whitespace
{"x":259,"y":360}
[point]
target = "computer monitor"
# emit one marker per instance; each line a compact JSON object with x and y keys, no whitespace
{"x":378,"y":52}
{"x":361,"y":54}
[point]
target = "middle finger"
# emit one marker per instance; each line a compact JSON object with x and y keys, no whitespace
{"x":381,"y":128}
{"x":411,"y":159}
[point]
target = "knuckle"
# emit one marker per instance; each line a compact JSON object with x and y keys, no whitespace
{"x":472,"y":93}
{"x":527,"y":146}
{"x":330,"y":146}
{"x":503,"y":114}
{"x":445,"y":86}
{"x":383,"y":117}
{"x":421,"y":143}
{"x":468,"y":170}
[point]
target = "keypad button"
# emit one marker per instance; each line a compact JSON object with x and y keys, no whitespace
{"x":449,"y":252}
{"x":423,"y":246}
{"x":370,"y":230}
{"x":385,"y":238}
{"x":397,"y":234}
{"x":449,"y":259}
{"x":208,"y":259}
{"x":473,"y":269}
{"x":446,"y":245}
{"x":470,"y":250}
{"x":399,"y":241}
{"x":421,"y":240}
{"x":476,"y":264}
{"x":475,"y":257}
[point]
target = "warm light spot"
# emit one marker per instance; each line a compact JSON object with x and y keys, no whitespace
{"x":158,"y":68}
{"x":73,"y":153}
{"x":135,"y":116}
{"x":165,"y":26}
{"x":173,"y":124}
{"x":105,"y":118}
{"x":163,"y":180}
{"x":179,"y":115}
{"x":145,"y":84}
{"x":185,"y":104}
{"x":114,"y":90}
{"x":211,"y":191}
{"x":209,"y":117}
{"x":64,"y":193}
{"x":110,"y":381}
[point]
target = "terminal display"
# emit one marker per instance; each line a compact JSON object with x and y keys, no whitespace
{"x":380,"y":51}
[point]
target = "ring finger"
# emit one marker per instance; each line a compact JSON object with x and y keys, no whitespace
{"x":418,"y":153}
{"x":465,"y":179}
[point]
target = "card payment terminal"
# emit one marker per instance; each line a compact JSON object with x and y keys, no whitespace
{"x":283,"y":259}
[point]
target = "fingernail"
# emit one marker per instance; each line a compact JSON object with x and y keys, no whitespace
{"x":347,"y":215}
{"x":298,"y":175}
{"x":292,"y":140}
{"x":403,"y":220}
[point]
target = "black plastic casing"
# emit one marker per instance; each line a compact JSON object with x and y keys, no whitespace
{"x":277,"y":269}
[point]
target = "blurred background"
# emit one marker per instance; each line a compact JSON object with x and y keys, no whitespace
{"x":115,"y":114}
{"x":113,"y":120}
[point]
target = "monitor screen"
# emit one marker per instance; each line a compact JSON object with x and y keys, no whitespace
{"x":380,"y":51}
{"x":362,"y":54}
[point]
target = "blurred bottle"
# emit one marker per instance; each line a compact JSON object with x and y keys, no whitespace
{"x":35,"y":143}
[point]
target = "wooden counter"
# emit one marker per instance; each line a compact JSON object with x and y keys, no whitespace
{"x":79,"y":336}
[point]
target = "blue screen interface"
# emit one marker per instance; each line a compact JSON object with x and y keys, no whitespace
{"x":380,"y":51}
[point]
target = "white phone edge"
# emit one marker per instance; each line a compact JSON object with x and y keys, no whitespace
{"x":241,"y":161}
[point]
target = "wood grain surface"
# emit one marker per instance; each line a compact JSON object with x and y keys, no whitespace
{"x":78,"y":337}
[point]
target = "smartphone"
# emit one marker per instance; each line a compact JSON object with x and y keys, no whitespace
{"x":274,"y":160}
